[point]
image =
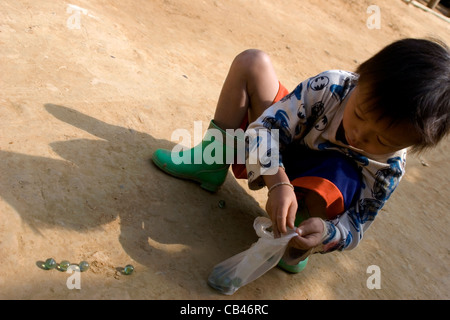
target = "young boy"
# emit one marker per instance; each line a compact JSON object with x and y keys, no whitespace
{"x":364,"y":122}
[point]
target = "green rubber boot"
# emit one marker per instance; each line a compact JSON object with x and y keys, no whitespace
{"x":302,"y":214}
{"x":207,"y":163}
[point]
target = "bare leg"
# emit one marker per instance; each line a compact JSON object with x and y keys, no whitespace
{"x":250,"y":86}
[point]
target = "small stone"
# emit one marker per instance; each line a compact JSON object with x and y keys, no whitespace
{"x":424,"y":163}
{"x":222,"y":204}
{"x":64,"y":265}
{"x":50,"y":263}
{"x":84,"y":266}
{"x":128,"y":269}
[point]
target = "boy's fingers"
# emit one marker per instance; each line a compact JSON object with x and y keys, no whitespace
{"x":275,"y":229}
{"x":282,"y":213}
{"x":310,"y":226}
{"x":291,"y":215}
{"x":286,"y":216}
{"x":304,"y":243}
{"x":281,"y":220}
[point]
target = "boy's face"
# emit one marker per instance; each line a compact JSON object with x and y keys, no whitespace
{"x":364,"y":130}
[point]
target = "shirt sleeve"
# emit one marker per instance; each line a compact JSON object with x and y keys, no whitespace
{"x":289,"y":119}
{"x":379,"y":181}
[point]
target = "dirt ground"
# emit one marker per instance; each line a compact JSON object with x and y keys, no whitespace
{"x":86,"y":96}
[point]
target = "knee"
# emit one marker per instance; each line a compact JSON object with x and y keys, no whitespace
{"x":253,"y":60}
{"x":252,"y":55}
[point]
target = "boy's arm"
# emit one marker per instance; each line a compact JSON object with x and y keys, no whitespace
{"x":347,"y":230}
{"x":282,"y":203}
{"x":291,"y":118}
{"x":267,"y":136}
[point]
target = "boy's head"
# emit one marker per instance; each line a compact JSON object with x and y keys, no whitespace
{"x":407,"y":84}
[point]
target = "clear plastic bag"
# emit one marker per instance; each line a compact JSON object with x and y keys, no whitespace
{"x":235,"y":272}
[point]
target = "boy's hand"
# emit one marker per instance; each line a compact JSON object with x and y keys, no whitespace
{"x":310,"y":233}
{"x":282,"y":207}
{"x":282,"y":203}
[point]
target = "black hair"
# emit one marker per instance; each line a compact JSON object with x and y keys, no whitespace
{"x":410,"y":80}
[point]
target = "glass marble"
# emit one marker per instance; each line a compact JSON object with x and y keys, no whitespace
{"x":50,"y":263}
{"x":84,"y":266}
{"x":64,"y":265}
{"x":237,"y":282}
{"x":128,"y":269}
{"x":226,"y":282}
